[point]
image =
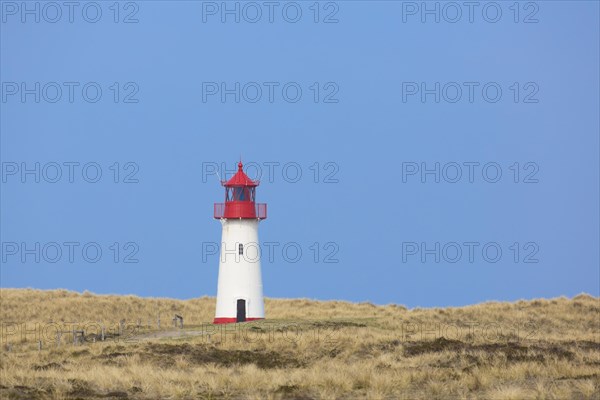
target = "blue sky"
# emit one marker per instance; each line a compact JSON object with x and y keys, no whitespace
{"x":360,"y":103}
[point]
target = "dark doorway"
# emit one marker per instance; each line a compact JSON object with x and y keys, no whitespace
{"x":241,"y":310}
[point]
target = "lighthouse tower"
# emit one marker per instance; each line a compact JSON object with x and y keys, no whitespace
{"x":239,"y":292}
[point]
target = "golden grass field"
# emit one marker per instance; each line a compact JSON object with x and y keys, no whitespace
{"x":539,"y":349}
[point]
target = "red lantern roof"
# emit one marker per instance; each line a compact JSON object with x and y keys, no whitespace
{"x":241,"y":179}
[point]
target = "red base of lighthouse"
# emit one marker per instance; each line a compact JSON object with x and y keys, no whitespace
{"x":232,"y":320}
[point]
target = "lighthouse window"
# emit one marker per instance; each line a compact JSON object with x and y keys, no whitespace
{"x":241,"y":249}
{"x":240,"y":194}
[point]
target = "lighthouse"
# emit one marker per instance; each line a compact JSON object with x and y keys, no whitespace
{"x":239,"y":290}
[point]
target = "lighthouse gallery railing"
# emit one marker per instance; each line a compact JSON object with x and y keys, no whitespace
{"x":260,"y":208}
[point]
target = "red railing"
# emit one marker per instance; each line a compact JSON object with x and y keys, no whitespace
{"x":261,"y":210}
{"x":240,"y":209}
{"x":219,"y":210}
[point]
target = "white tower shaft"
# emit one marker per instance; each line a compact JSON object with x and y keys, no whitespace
{"x":239,"y":291}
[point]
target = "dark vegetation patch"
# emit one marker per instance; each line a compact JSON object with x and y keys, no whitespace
{"x":371,"y":349}
{"x":80,"y":353}
{"x":389,"y":345}
{"x":337,"y":324}
{"x":80,"y":389}
{"x":164,"y":355}
{"x":330,"y":325}
{"x":514,"y":352}
{"x":45,"y":367}
{"x":291,"y":392}
{"x":112,"y":352}
{"x":585,"y":344}
{"x":112,"y":358}
{"x":412,"y":349}
{"x":596,"y":377}
{"x":113,"y":349}
{"x":298,"y":327}
{"x":111,"y":355}
{"x":20,"y":392}
{"x":287,"y":389}
{"x":116,"y":395}
{"x":333,"y":353}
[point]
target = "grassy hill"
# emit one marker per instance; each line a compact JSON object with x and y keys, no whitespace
{"x":305,"y":349}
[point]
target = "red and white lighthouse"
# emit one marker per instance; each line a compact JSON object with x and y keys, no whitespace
{"x":239,"y":291}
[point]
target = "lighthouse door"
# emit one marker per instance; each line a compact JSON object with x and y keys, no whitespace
{"x":241,"y":310}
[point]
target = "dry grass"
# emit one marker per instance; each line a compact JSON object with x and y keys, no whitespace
{"x":540,"y":349}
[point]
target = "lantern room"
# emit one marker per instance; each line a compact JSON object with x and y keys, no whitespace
{"x":240,"y":198}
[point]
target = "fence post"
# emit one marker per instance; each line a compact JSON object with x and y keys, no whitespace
{"x":178,"y":320}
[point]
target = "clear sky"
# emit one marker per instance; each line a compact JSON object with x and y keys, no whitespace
{"x":387,"y":92}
